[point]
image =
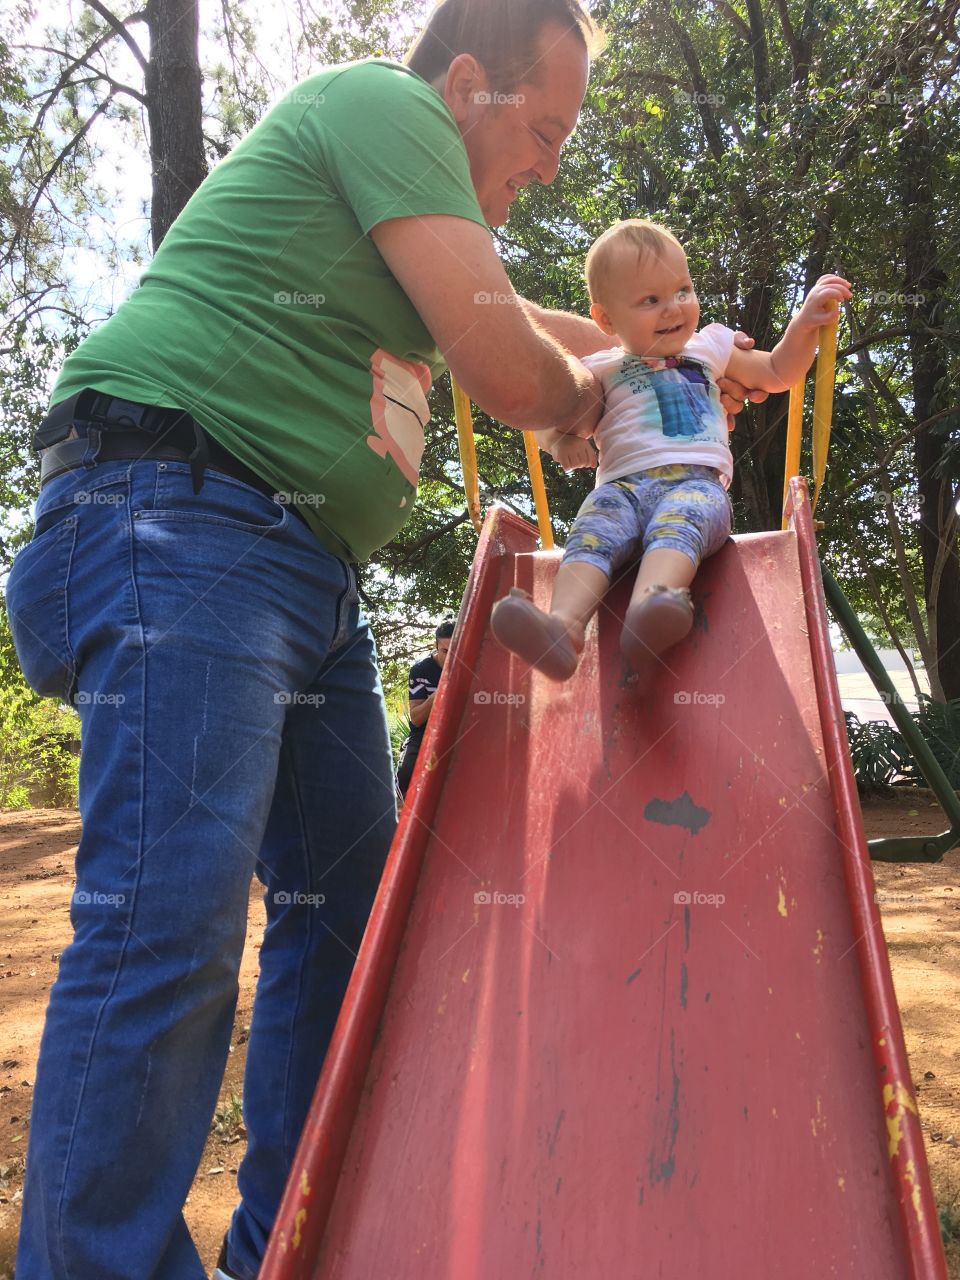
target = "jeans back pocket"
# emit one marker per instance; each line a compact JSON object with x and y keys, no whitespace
{"x":36,"y":595}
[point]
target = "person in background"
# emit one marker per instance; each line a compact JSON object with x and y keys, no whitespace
{"x":423,"y":682}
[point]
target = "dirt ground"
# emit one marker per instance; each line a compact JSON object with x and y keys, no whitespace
{"x":919,"y":905}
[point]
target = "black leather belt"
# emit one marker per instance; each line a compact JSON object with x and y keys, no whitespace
{"x":115,"y":430}
{"x":133,"y":446}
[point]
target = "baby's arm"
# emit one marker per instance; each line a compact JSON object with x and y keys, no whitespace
{"x":570,"y":451}
{"x":779,"y":369}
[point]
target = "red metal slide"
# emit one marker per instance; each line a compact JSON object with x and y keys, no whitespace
{"x":623,"y":1010}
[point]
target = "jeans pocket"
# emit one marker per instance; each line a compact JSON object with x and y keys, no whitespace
{"x":36,"y":596}
{"x":223,"y":500}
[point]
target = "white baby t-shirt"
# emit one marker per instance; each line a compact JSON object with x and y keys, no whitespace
{"x":659,"y":411}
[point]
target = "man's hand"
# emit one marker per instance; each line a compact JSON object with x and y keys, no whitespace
{"x":734,"y":395}
{"x":572,"y":452}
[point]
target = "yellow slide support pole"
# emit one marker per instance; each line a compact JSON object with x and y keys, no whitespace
{"x":468,"y":452}
{"x":794,"y":433}
{"x":823,"y":404}
{"x":535,"y":468}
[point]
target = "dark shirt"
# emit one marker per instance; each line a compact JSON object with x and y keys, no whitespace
{"x":424,"y":678}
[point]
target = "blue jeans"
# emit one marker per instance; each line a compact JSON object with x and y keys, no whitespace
{"x":232,"y":723}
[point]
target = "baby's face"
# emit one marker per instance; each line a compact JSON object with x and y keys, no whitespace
{"x":651,"y":305}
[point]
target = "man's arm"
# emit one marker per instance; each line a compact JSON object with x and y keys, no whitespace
{"x":580,"y":336}
{"x":509,"y":365}
{"x":420,"y":710}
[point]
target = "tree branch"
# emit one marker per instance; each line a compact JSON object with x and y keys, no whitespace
{"x":119,"y":26}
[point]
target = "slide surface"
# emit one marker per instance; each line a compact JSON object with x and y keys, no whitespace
{"x":624,"y":1010}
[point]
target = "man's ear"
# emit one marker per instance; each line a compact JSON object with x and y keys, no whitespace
{"x":465,"y":87}
{"x":600,"y":317}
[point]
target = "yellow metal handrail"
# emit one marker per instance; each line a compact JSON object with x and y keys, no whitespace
{"x":468,"y":452}
{"x":468,"y":462}
{"x":824,"y":379}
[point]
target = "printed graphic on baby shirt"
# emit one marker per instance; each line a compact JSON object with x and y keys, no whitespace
{"x":684,"y":393}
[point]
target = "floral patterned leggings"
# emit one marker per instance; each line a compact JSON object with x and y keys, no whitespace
{"x":680,"y":507}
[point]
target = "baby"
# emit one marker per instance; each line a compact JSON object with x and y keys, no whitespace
{"x":664,"y":461}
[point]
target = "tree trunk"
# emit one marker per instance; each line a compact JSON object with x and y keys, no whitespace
{"x":925,"y":286}
{"x":174,"y":113}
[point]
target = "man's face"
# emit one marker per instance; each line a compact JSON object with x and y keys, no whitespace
{"x":442,"y":649}
{"x":513,"y":139}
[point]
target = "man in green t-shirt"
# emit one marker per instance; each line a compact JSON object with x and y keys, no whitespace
{"x":219,"y":455}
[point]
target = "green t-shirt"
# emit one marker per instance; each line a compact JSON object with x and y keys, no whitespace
{"x":269,"y":314}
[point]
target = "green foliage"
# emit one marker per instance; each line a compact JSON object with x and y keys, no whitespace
{"x":38,"y":763}
{"x":39,"y":738}
{"x":939,"y":722}
{"x":880,"y":755}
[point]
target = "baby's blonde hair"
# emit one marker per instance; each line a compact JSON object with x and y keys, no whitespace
{"x":639,"y":233}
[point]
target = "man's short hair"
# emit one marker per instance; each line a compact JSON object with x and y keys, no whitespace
{"x":445,"y":630}
{"x":639,"y":234}
{"x":502,"y":35}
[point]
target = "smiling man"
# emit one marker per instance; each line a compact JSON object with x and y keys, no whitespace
{"x":218,"y":458}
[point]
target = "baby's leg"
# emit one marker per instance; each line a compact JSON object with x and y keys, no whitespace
{"x":604,"y":535}
{"x":690,"y":520}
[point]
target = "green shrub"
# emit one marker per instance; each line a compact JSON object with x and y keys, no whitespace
{"x":939,"y":722}
{"x":879,"y":753}
{"x":38,"y":750}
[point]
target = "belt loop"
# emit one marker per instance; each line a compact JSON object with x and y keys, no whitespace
{"x":93,"y":447}
{"x":200,"y":456}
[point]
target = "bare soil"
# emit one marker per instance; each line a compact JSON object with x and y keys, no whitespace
{"x":920,"y":906}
